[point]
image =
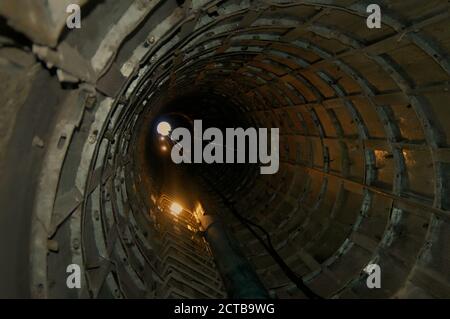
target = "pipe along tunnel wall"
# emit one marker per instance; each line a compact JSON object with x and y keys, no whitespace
{"x":364,"y":120}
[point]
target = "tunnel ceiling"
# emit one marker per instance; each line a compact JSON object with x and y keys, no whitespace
{"x":364,"y":137}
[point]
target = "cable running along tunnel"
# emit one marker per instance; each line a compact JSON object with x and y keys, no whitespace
{"x":364,"y":121}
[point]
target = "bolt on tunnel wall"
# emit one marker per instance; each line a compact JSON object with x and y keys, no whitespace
{"x":364,"y":157}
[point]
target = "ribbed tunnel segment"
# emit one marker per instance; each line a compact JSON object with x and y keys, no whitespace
{"x":364,"y":146}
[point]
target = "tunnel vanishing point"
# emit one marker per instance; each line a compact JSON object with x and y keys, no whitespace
{"x":364,"y":172}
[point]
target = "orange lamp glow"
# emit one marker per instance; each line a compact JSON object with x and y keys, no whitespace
{"x":176,"y":208}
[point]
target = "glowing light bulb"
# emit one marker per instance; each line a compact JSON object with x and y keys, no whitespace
{"x":164,"y":128}
{"x":176,"y":208}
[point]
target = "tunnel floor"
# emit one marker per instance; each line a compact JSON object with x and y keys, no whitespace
{"x":356,"y":93}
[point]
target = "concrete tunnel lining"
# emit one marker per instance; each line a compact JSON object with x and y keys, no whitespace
{"x":364,"y":143}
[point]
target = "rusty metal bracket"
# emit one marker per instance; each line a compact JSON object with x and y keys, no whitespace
{"x":64,"y":206}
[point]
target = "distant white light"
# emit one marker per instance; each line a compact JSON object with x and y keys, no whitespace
{"x":164,"y":128}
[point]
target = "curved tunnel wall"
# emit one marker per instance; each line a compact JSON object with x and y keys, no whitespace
{"x":363,"y":118}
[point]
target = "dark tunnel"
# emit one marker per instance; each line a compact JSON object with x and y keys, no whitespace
{"x":364,"y":157}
